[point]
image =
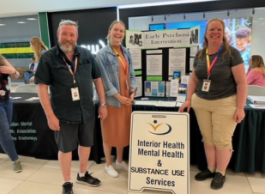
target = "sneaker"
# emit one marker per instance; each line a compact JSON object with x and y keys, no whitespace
{"x":201,"y":176}
{"x":111,"y":171}
{"x":218,"y":181}
{"x":68,"y":188}
{"x":17,"y":166}
{"x":122,"y":165}
{"x":88,"y":180}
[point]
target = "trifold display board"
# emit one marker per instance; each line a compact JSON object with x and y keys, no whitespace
{"x":159,"y":152}
{"x":157,"y":54}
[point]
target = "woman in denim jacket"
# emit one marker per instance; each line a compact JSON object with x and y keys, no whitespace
{"x":118,"y":77}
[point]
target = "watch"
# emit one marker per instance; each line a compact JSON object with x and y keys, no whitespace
{"x":134,"y":91}
{"x":104,"y":104}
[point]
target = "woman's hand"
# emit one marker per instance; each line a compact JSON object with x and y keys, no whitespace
{"x":132,"y":96}
{"x":185,"y":105}
{"x":7,"y":70}
{"x":125,"y":101}
{"x":239,"y":115}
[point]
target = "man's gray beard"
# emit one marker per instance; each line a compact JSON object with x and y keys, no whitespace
{"x":67,"y":50}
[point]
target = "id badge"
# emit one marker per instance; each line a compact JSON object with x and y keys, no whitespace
{"x":75,"y":94}
{"x":127,"y":86}
{"x":206,"y":85}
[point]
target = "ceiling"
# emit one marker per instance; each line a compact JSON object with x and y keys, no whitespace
{"x":29,"y":7}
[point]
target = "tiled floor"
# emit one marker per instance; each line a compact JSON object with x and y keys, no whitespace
{"x":44,"y":177}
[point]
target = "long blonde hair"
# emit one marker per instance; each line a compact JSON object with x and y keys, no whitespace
{"x":2,"y":60}
{"x":257,"y":63}
{"x":38,"y":47}
{"x":225,"y":42}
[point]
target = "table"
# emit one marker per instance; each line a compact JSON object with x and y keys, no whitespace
{"x":37,"y":140}
{"x":30,"y":131}
{"x":248,"y":140}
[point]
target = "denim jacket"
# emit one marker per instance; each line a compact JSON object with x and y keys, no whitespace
{"x":109,"y":69}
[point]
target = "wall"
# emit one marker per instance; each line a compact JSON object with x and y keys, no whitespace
{"x":14,"y":38}
{"x":93,"y":25}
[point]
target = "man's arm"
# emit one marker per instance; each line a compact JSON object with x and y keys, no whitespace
{"x":53,"y":121}
{"x":101,"y":94}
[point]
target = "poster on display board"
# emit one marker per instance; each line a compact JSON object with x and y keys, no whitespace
{"x":162,"y":38}
{"x":161,"y":140}
{"x":136,"y":58}
{"x":238,"y":32}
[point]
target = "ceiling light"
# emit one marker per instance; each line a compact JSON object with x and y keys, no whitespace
{"x":2,"y":24}
{"x":31,"y":19}
{"x":21,"y":22}
{"x":161,"y":3}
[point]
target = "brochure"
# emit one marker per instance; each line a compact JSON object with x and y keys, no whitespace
{"x":257,"y":99}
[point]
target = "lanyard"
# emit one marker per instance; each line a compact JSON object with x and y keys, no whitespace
{"x":209,"y":67}
{"x":125,"y":65}
{"x":70,"y":69}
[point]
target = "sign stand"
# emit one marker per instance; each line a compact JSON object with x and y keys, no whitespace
{"x":159,"y":152}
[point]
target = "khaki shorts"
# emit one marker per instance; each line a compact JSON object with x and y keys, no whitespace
{"x":216,"y":120}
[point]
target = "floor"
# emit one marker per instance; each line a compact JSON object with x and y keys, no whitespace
{"x":44,"y":177}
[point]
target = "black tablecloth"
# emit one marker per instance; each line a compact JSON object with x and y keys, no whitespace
{"x":34,"y":138}
{"x":248,"y":141}
{"x":30,"y":131}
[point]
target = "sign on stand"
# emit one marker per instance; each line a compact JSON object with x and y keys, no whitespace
{"x":159,"y":152}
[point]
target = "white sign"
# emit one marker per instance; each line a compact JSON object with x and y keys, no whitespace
{"x":159,"y":152}
{"x":174,"y":87}
{"x":154,"y":65}
{"x":136,"y":58}
{"x":162,"y":38}
{"x":177,"y":61}
{"x":139,"y":84}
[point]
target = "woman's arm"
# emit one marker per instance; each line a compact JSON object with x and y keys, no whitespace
{"x":251,"y":77}
{"x":240,"y":78}
{"x":9,"y":69}
{"x":191,"y":89}
{"x":110,"y":90}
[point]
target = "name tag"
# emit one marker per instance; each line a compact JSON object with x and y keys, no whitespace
{"x":75,"y":94}
{"x":206,"y":85}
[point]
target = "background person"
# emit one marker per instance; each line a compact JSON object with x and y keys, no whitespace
{"x":118,"y":77}
{"x":69,"y":70}
{"x":39,"y":48}
{"x":32,"y":69}
{"x":256,"y":73}
{"x":218,"y":97}
{"x":6,"y":111}
{"x":243,"y":44}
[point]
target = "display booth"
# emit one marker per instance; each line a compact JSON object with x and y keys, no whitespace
{"x":158,"y":55}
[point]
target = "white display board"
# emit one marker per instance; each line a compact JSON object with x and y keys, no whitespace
{"x":159,"y":152}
